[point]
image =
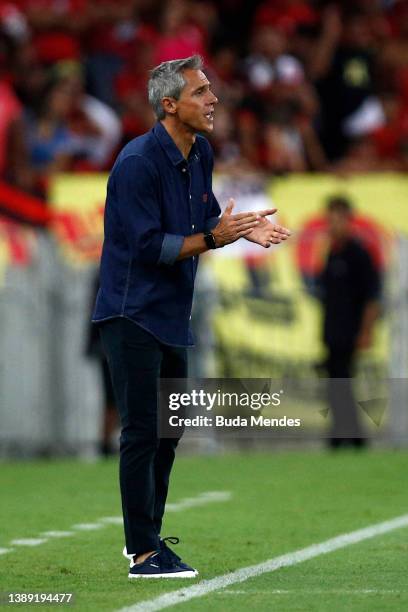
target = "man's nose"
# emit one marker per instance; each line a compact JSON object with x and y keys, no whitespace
{"x":213,"y":98}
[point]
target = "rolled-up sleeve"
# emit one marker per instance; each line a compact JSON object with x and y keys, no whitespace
{"x":137,"y":195}
{"x":171,"y":247}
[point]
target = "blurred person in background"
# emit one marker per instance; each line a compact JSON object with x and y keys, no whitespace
{"x":224,"y":141}
{"x":14,"y":158}
{"x":249,"y":132}
{"x":343,"y":69}
{"x":55,"y":28}
{"x":286,"y":14}
{"x":290,"y":143}
{"x":271,"y":71}
{"x":130,"y":88}
{"x":112,"y":28}
{"x":280,"y":94}
{"x":68,"y":129}
{"x":224,"y":73}
{"x":349,"y":287}
{"x":50,"y":143}
{"x":283,"y":147}
{"x":179,"y":35}
{"x":391,"y":140}
{"x":94,"y":126}
{"x":30,"y":77}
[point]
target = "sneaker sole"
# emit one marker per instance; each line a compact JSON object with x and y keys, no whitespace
{"x":177,"y":575}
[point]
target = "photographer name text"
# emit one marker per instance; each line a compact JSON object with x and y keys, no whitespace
{"x":236,"y":421}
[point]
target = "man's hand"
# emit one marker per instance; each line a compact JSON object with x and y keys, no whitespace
{"x":370,"y":315}
{"x":267,"y":233}
{"x":364,"y":340}
{"x":232,"y":227}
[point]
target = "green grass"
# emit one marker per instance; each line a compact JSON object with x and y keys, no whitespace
{"x":280,"y":502}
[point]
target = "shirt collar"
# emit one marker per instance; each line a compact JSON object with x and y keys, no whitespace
{"x":170,"y":147}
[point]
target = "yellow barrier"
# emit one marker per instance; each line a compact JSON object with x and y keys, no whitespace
{"x":277,"y":335}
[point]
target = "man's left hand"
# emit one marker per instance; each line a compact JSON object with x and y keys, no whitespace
{"x":267,"y":233}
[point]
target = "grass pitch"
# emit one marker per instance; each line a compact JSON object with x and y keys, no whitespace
{"x":280,"y":502}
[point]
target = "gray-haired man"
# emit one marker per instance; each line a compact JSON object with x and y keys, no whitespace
{"x":160,"y":215}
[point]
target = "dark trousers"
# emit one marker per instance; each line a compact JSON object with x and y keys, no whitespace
{"x":136,"y":361}
{"x":345,"y":422}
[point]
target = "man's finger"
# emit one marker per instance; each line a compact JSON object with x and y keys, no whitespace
{"x":265,"y":213}
{"x":240,"y":234}
{"x":275,"y":239}
{"x":256,"y":213}
{"x":229,"y":206}
{"x":282,"y":230}
{"x":245,"y":215}
{"x":244,"y":223}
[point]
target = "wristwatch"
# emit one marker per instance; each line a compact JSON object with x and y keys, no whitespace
{"x":210,"y":240}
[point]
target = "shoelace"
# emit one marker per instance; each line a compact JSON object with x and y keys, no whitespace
{"x":168,"y":554}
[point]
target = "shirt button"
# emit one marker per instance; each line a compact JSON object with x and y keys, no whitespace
{"x":190,"y":196}
{"x":193,"y":226}
{"x":183,"y":169}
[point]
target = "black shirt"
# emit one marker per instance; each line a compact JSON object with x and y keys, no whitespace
{"x":348,"y":281}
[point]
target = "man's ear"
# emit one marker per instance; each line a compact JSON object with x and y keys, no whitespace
{"x":169,"y":105}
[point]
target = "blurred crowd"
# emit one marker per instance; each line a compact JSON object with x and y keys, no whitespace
{"x":304,"y":85}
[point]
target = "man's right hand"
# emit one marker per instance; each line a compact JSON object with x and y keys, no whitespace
{"x":232,"y":227}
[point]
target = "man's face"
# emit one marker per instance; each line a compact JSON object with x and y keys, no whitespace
{"x":339,"y":224}
{"x":195,"y":107}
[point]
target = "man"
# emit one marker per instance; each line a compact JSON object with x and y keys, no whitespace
{"x":350,"y":286}
{"x":160,"y":215}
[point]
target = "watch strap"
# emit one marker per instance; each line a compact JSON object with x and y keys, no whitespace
{"x":210,"y":240}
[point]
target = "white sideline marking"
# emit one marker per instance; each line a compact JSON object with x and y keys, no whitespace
{"x":271,"y":565}
{"x":207,"y":497}
{"x":188,"y":502}
{"x":57,"y":534}
{"x":87,"y":526}
{"x":310,"y":592}
{"x":112,"y":520}
{"x":28,"y":541}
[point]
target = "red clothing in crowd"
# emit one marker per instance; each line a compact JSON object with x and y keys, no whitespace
{"x":285,"y":15}
{"x":10,"y":110}
{"x":188,"y":41}
{"x":58,"y":42}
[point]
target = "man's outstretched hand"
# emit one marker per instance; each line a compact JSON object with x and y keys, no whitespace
{"x":242,"y":225}
{"x":267,"y":233}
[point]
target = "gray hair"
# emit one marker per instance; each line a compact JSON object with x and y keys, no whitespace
{"x":166,"y":80}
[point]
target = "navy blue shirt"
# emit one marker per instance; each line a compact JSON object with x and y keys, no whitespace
{"x":155,"y":197}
